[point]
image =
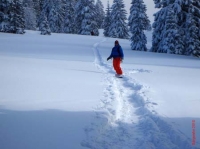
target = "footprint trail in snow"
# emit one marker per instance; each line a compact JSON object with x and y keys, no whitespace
{"x":124,"y":120}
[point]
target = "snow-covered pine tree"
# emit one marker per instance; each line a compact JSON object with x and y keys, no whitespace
{"x":187,"y":14}
{"x":89,"y":23}
{"x":37,"y":5}
{"x":188,"y":21}
{"x":16,"y":16}
{"x":118,"y":27}
{"x":94,"y":26}
{"x":52,"y":19}
{"x":55,"y":12}
{"x":69,"y":23}
{"x":79,"y":8}
{"x":100,"y":13}
{"x":4,"y":16}
{"x":85,"y":17}
{"x":44,"y":26}
{"x":44,"y":9}
{"x":192,"y":27}
{"x":85,"y":23}
{"x":196,"y":12}
{"x":56,"y":16}
{"x":43,"y":21}
{"x":170,"y":32}
{"x":62,"y":12}
{"x":159,"y":25}
{"x":138,"y":22}
{"x":30,"y":15}
{"x":192,"y":37}
{"x":12,"y":17}
{"x":107,"y":21}
{"x":180,"y":36}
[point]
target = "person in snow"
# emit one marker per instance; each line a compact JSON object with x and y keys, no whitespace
{"x":117,"y":55}
{"x":92,"y":33}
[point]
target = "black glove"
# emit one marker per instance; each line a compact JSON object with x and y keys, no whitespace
{"x":108,"y":58}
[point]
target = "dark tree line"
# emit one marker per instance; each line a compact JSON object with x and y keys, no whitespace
{"x":176,"y":26}
{"x":57,"y":16}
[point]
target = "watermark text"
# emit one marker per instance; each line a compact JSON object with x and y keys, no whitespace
{"x":193,"y":133}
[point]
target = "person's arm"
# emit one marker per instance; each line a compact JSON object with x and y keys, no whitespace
{"x":121,"y":52}
{"x":110,"y":55}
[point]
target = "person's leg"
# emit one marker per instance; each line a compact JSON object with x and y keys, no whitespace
{"x":116,"y":65}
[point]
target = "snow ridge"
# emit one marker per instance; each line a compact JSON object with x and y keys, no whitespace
{"x":124,"y":120}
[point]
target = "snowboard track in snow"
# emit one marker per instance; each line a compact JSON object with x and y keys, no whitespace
{"x":124,"y":120}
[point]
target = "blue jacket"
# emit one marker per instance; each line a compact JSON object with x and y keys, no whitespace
{"x":116,"y":52}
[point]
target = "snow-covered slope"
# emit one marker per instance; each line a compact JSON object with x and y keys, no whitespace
{"x":59,"y":91}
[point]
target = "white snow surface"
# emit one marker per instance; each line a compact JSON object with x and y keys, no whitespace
{"x":59,"y":92}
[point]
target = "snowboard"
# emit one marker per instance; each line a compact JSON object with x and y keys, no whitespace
{"x":118,"y":76}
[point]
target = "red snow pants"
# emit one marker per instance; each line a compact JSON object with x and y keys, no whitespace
{"x":116,"y":65}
